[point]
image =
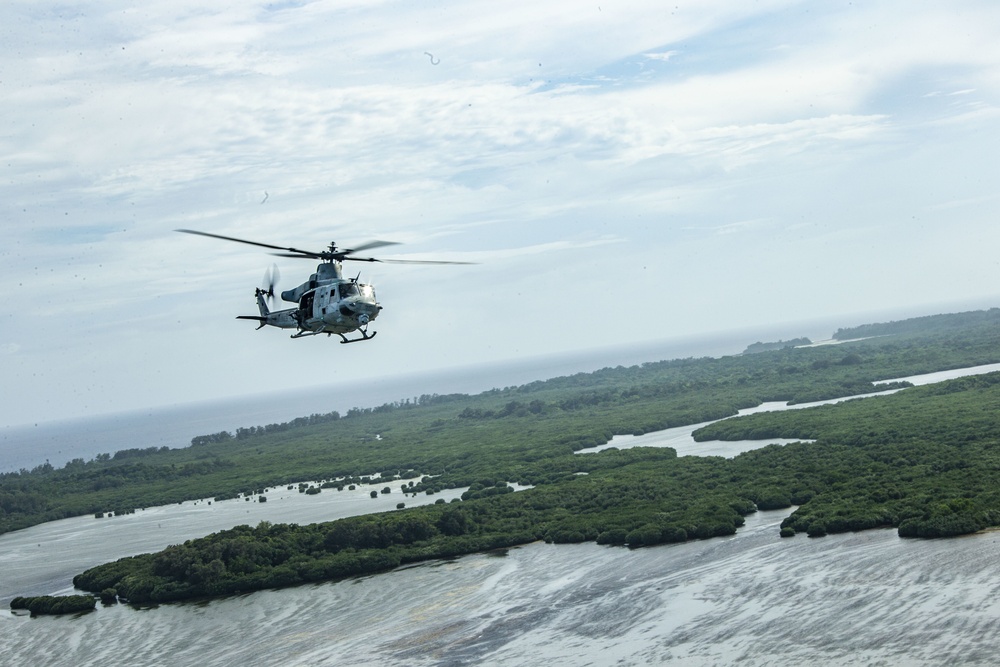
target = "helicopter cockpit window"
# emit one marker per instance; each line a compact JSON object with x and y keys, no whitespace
{"x":368,"y":292}
{"x":348,"y":289}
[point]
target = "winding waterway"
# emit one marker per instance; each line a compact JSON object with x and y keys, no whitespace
{"x":753,"y":598}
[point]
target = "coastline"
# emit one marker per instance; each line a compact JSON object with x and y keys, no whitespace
{"x":59,"y":441}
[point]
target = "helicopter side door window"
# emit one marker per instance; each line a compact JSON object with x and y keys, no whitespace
{"x":306,"y":305}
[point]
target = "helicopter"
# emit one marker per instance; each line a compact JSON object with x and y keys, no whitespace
{"x":327,"y":303}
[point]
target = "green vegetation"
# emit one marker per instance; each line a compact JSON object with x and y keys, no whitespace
{"x":924,"y":460}
{"x":757,"y":347}
{"x":55,"y":604}
{"x":921,"y":325}
{"x":630,"y":497}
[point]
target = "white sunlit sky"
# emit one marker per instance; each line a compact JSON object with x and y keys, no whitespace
{"x":620,"y":172}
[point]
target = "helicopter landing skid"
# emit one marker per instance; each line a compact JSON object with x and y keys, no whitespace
{"x":364,"y":336}
{"x":304,"y":333}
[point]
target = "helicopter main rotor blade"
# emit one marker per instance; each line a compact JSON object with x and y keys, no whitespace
{"x":409,"y":261}
{"x":369,"y":246}
{"x":333,"y":254}
{"x":299,"y":253}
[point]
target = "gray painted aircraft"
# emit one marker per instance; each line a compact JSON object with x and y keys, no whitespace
{"x":327,"y":303}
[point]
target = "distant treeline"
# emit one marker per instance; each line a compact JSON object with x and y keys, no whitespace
{"x":243,"y":433}
{"x":923,"y":325}
{"x":754,"y":348}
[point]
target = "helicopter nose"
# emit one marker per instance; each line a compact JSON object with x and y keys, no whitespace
{"x":360,"y":308}
{"x":367,"y":311}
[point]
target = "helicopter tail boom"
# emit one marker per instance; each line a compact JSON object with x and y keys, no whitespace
{"x":283,"y":319}
{"x":262,"y":320}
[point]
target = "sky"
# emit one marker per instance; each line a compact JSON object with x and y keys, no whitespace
{"x":618,"y":172}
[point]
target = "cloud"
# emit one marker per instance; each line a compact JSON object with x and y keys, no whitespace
{"x":971,"y":201}
{"x":500,"y":255}
{"x":556,"y":144}
{"x":743,"y":226}
{"x":662,"y":56}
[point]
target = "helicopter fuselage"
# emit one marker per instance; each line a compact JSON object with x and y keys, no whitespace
{"x":327,"y":303}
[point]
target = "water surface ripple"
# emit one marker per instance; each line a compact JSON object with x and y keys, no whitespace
{"x":753,"y":598}
{"x":868,"y":598}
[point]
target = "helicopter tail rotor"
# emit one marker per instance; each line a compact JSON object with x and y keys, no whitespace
{"x":265,"y":296}
{"x":271,"y":277}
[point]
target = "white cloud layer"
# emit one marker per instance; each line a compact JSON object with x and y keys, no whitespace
{"x":712,"y":166}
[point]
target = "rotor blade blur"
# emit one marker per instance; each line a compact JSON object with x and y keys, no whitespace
{"x":417,"y":261}
{"x":256,"y":243}
{"x":370,"y":245}
{"x":270,"y":280}
{"x":338,"y":255}
{"x":299,"y":254}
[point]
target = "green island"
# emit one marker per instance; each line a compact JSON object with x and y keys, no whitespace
{"x":923,"y":460}
{"x":754,"y":348}
{"x":55,"y":604}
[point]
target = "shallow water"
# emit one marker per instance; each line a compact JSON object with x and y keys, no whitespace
{"x":868,"y":598}
{"x":682,"y":440}
{"x":43,"y":560}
